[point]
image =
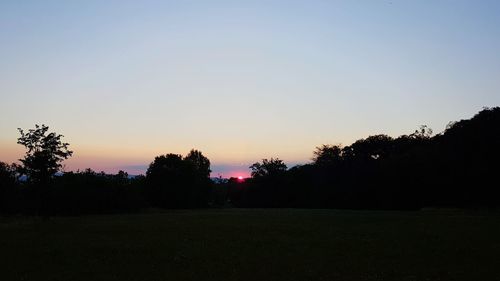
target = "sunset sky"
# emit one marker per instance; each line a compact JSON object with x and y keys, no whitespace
{"x":126,"y":81}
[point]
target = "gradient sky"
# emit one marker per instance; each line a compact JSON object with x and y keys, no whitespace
{"x":125,"y":81}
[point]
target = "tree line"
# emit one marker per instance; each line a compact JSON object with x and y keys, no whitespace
{"x":455,"y":168}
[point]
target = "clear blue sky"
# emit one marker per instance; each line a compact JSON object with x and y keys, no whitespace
{"x":239,"y":80}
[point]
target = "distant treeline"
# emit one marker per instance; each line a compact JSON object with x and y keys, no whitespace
{"x":456,"y":168}
{"x":171,"y":181}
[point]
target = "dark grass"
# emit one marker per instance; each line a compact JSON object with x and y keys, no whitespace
{"x":236,"y":244}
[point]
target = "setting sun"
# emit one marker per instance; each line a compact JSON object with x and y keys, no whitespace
{"x":249,"y":140}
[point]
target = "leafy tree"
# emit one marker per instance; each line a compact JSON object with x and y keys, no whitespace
{"x":272,"y":167}
{"x":7,"y":173}
{"x":373,"y":147}
{"x":121,"y":177}
{"x":7,"y":184}
{"x":326,"y":155}
{"x":165,"y":166}
{"x":176,"y":182}
{"x":424,"y":132}
{"x":44,"y":155}
{"x":200,"y":163}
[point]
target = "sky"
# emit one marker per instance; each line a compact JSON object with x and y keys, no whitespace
{"x":125,"y":81}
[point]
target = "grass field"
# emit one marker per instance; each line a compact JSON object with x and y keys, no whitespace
{"x":236,"y":244}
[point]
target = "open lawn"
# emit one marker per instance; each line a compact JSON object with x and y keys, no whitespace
{"x":241,"y":244}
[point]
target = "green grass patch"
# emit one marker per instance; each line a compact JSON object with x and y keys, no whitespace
{"x":240,"y":244}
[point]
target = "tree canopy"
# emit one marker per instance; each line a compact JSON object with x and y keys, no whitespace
{"x":455,"y":168}
{"x":45,"y":153}
{"x":267,"y":168}
{"x":173,"y":181}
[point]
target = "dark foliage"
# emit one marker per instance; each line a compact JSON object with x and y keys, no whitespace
{"x":76,"y":193}
{"x":8,"y":186}
{"x":176,"y":182}
{"x":266,"y":188}
{"x":44,"y":154}
{"x":268,"y":168}
{"x":91,"y":192}
{"x":457,"y":168}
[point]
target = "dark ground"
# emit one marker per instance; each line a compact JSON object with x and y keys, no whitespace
{"x":240,"y":244}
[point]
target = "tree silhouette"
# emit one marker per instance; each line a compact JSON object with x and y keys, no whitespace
{"x":267,"y":168}
{"x":7,"y":185}
{"x":7,"y":172}
{"x":455,"y":168}
{"x":373,"y":147}
{"x":424,"y":132}
{"x":200,"y":163}
{"x":44,"y":155}
{"x":326,"y":155}
{"x":176,"y":182}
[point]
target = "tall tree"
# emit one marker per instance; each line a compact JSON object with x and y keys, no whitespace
{"x":200,"y":163}
{"x":7,"y":184}
{"x":45,"y":153}
{"x":173,"y":181}
{"x":268,"y":168}
{"x":7,"y":172}
{"x":327,"y":155}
